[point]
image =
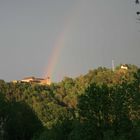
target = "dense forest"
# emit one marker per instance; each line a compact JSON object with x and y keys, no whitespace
{"x":100,"y":105}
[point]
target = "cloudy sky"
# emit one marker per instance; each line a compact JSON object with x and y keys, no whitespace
{"x":70,"y":36}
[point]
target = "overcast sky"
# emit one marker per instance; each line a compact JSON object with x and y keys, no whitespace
{"x":95,"y":33}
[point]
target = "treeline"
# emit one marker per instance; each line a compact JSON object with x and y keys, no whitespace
{"x":101,"y":105}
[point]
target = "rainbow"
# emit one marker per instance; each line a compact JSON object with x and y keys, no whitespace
{"x":60,"y":41}
{"x":55,"y":54}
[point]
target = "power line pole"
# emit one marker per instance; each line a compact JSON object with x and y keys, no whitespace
{"x":113,"y":66}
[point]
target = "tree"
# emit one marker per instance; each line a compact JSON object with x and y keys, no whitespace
{"x":109,"y":112}
{"x":22,"y":122}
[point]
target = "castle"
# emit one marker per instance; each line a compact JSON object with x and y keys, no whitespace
{"x":42,"y":81}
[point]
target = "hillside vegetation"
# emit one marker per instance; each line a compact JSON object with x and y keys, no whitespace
{"x":100,"y":105}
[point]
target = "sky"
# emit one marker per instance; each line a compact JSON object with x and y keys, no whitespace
{"x":59,"y":38}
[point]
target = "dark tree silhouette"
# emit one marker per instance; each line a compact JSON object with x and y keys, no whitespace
{"x":22,"y":123}
{"x":138,"y":13}
{"x":137,"y":1}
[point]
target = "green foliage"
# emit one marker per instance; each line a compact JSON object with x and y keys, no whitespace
{"x":59,"y":131}
{"x":22,"y":123}
{"x":109,"y":111}
{"x":17,"y":120}
{"x":101,"y":105}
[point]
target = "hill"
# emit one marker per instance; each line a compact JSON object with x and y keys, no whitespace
{"x":100,"y":105}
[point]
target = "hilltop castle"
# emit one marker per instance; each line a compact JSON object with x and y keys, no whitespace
{"x":42,"y":81}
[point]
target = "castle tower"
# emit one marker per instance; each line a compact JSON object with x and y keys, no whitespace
{"x":46,"y":81}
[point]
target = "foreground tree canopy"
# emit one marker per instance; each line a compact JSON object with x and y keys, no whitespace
{"x":101,"y":105}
